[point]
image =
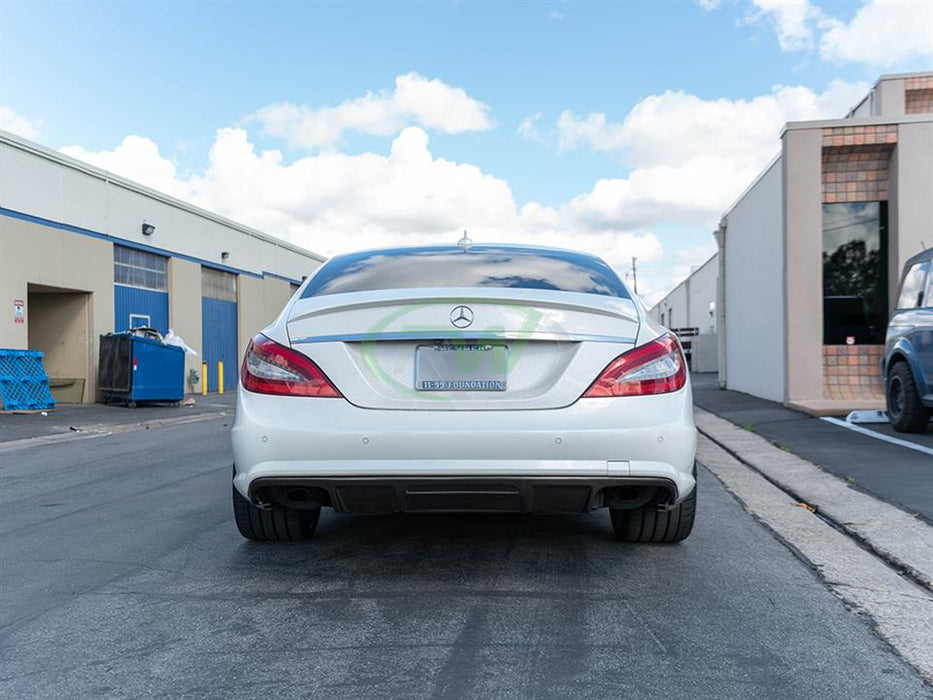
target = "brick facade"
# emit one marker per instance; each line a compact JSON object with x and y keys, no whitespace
{"x":874,"y":134}
{"x":852,"y":372}
{"x":918,"y":94}
{"x":919,"y":101}
{"x":856,"y":173}
{"x":920,"y":82}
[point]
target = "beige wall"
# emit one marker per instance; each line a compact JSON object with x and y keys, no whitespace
{"x":60,"y":326}
{"x":911,"y":207}
{"x":275,"y":294}
{"x":803,"y":269}
{"x":259,"y":302}
{"x":251,"y":310}
{"x":184,"y":310}
{"x":35,"y":254}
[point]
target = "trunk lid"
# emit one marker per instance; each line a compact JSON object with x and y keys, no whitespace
{"x":533,"y":348}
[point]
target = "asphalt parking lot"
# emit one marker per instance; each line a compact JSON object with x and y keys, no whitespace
{"x":124,"y":576}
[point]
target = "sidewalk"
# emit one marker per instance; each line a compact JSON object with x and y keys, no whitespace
{"x":894,"y":474}
{"x":97,"y":418}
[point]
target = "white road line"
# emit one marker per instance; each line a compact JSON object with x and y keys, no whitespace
{"x":880,"y":436}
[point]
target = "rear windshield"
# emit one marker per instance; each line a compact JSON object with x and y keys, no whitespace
{"x":480,"y":266}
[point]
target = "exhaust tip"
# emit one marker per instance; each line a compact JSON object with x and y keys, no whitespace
{"x":298,"y":495}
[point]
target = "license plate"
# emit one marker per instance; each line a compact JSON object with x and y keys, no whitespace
{"x":463,"y":367}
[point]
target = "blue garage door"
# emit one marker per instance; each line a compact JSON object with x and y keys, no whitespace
{"x":219,"y":326}
{"x":140,"y":292}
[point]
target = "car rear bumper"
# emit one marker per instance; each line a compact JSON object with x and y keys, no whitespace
{"x":572,"y":494}
{"x":522,"y":458}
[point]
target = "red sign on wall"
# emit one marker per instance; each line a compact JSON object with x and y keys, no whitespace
{"x":19,"y":311}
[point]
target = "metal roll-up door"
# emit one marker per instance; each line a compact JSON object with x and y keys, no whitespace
{"x":219,"y":326}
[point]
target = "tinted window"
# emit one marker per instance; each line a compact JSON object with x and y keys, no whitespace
{"x":855,"y":273}
{"x":480,"y":266}
{"x":911,"y":287}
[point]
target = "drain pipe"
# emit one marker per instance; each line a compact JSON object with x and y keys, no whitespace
{"x":720,"y":235}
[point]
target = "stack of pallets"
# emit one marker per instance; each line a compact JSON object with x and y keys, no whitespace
{"x":24,"y":385}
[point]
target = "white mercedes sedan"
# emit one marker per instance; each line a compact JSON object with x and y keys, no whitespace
{"x":473,"y":378}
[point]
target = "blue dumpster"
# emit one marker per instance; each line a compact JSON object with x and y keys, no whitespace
{"x":134,"y":369}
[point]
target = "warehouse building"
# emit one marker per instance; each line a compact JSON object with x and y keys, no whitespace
{"x":84,"y":252}
{"x":690,"y":311}
{"x":810,"y":256}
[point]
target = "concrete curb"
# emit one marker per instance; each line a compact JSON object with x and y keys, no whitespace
{"x":95,"y":431}
{"x":900,"y":609}
{"x":904,"y":541}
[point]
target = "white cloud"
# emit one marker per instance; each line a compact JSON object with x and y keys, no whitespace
{"x":793,"y":21}
{"x":592,"y":130}
{"x":416,"y":100}
{"x":137,"y":158}
{"x":689,"y":157}
{"x":709,"y":5}
{"x":18,"y":124}
{"x":334,"y":202}
{"x":528,"y":129}
{"x":882,"y":33}
{"x":696,"y":192}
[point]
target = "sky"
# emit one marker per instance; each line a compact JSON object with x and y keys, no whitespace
{"x":622,"y":129}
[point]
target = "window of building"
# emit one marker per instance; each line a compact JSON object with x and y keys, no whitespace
{"x":218,"y":284}
{"x":137,"y":268}
{"x":912,"y":287}
{"x":855,"y":273}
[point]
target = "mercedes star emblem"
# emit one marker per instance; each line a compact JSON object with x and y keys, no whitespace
{"x":461,"y":316}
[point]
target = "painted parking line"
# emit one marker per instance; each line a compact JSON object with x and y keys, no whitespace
{"x":880,"y":436}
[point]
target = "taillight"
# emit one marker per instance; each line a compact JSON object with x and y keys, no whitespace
{"x":654,"y":368}
{"x":270,"y":368}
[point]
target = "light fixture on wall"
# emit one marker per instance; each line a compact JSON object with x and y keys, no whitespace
{"x":148,"y":229}
{"x":224,"y":254}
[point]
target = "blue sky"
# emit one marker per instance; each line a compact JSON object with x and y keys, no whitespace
{"x":86,"y":76}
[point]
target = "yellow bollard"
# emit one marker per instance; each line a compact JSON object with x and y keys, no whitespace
{"x":203,"y":379}
{"x":220,"y":376}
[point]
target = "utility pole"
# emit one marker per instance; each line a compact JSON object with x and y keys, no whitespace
{"x":634,"y":274}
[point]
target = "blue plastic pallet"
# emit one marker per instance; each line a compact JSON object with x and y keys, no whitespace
{"x":24,"y":385}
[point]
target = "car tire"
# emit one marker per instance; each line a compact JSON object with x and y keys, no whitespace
{"x":278,"y":524}
{"x":905,"y":410}
{"x":650,"y":525}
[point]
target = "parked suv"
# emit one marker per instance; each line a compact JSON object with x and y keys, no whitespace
{"x":908,"y":359}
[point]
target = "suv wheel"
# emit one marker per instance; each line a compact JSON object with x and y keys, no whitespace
{"x":279,"y":524}
{"x":649,"y":524}
{"x":907,"y":413}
